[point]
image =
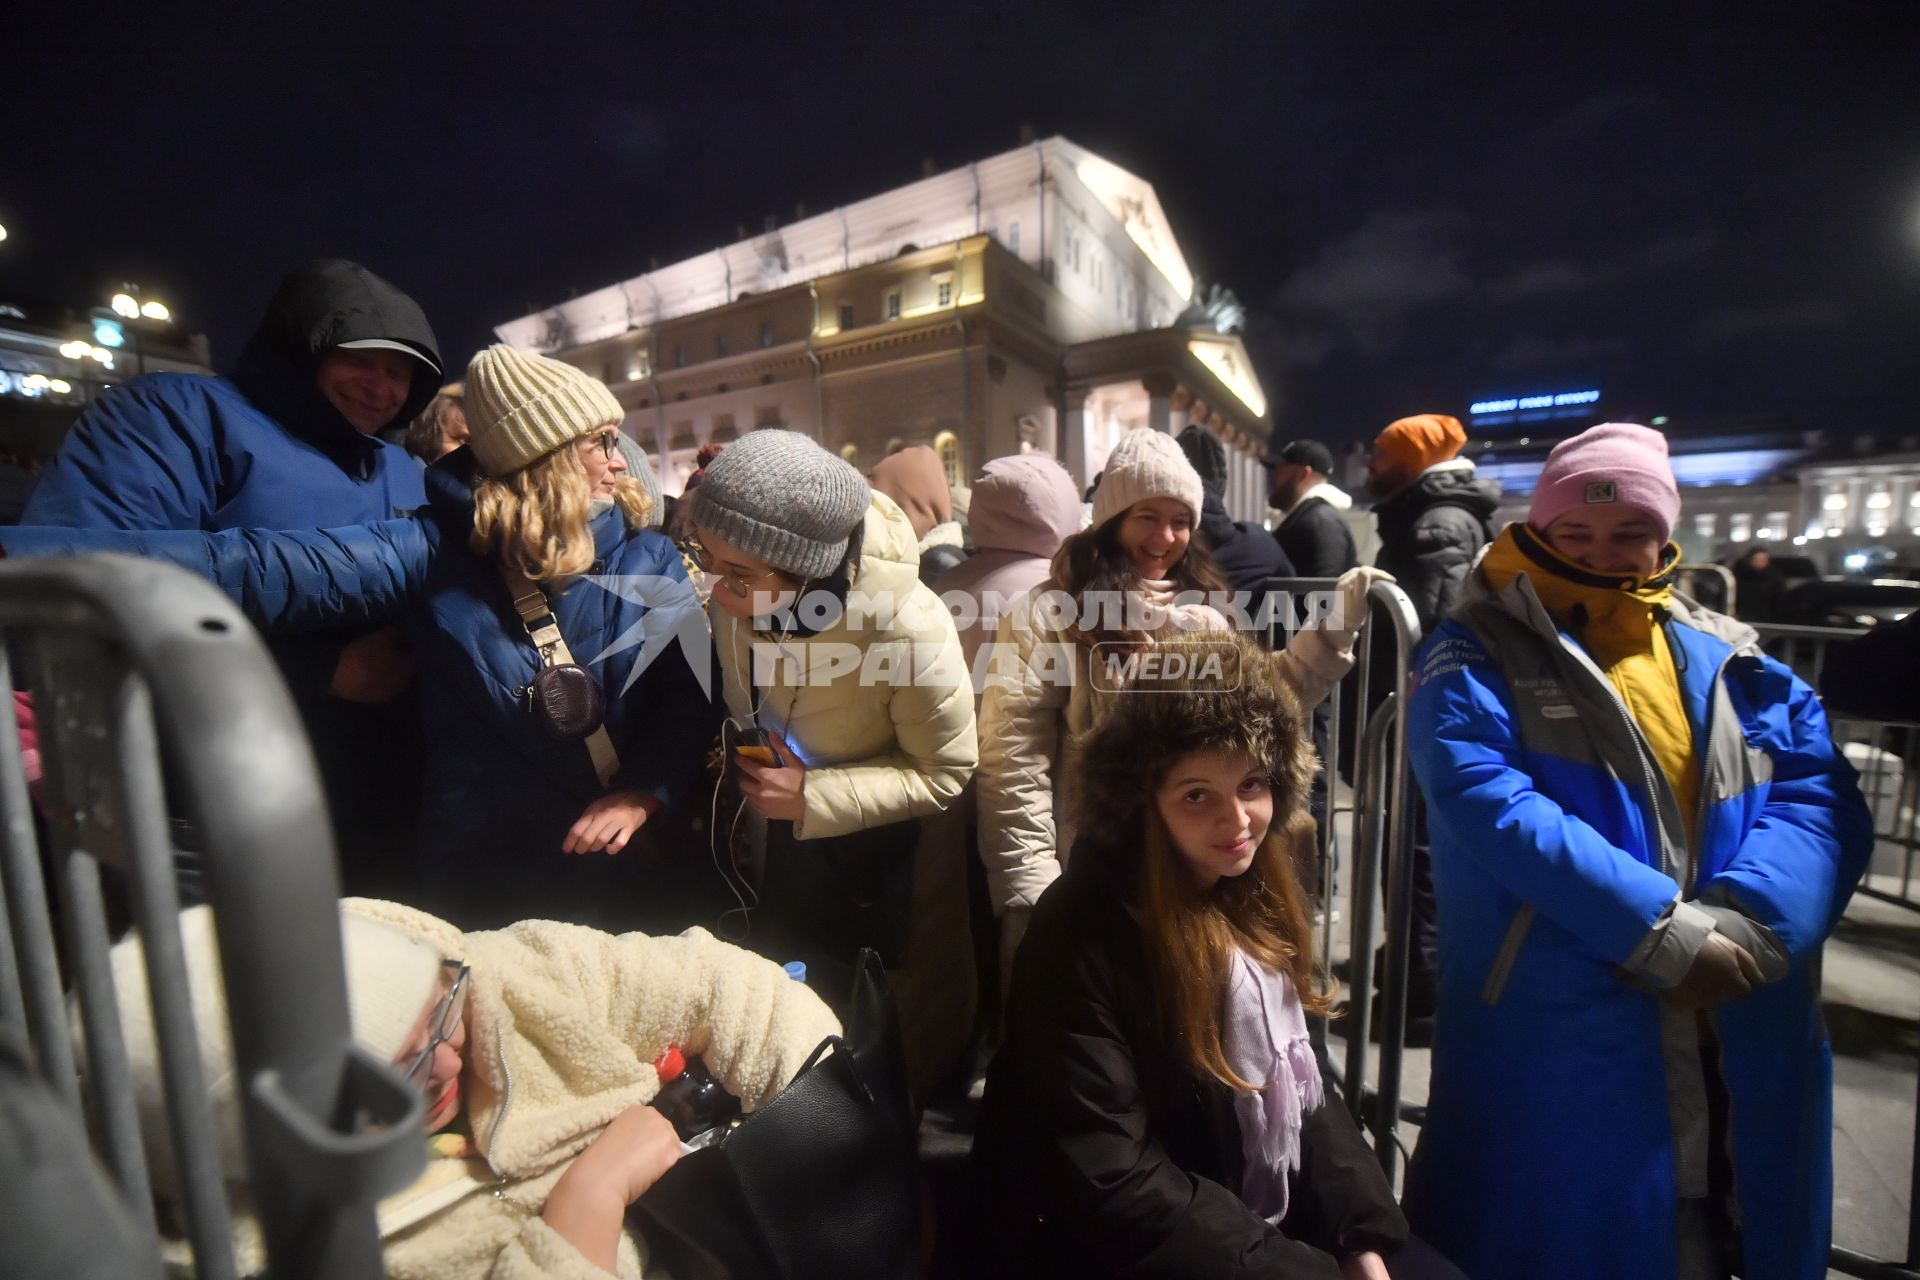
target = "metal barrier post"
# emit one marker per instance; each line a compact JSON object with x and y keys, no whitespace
{"x":147,"y":654}
{"x":1295,"y":591}
{"x":1364,"y":881}
{"x":1398,"y":904}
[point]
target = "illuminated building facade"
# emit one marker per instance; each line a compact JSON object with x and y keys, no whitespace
{"x":1034,"y":300}
{"x":55,"y":361}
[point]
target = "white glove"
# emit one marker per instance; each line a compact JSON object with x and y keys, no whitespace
{"x":1340,"y":627}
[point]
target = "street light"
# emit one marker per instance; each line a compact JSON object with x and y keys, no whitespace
{"x":129,"y":305}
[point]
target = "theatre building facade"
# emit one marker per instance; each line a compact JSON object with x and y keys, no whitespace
{"x":1034,"y":300}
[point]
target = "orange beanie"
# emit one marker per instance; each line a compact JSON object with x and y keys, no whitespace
{"x":1419,"y":442}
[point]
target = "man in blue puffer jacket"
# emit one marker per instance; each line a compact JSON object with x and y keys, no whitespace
{"x":287,"y":441}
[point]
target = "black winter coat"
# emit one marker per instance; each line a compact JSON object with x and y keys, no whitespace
{"x":1430,"y":533}
{"x":1247,"y":557}
{"x":1098,"y":1154}
{"x":1316,"y":539}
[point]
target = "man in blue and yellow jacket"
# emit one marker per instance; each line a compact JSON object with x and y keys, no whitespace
{"x":1642,"y":835}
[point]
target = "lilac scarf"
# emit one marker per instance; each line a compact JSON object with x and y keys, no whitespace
{"x":1265,"y":1039}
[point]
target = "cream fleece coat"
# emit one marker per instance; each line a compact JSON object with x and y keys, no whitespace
{"x":563,"y":1025}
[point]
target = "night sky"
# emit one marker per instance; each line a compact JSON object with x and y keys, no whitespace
{"x":1710,"y":211}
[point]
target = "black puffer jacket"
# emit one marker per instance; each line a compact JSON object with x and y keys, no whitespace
{"x":1317,"y":540}
{"x":1430,"y":533}
{"x":1098,"y":1154}
{"x":1247,"y":555}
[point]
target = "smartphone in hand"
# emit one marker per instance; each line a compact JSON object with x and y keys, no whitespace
{"x":755,"y":744}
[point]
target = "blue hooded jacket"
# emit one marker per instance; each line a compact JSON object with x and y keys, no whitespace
{"x":263,"y":448}
{"x":1551,"y":1146}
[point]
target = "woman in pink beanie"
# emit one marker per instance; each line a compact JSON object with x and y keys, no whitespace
{"x":1642,"y":834}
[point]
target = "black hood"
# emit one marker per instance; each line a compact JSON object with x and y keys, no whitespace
{"x":1209,"y":458}
{"x":317,"y":308}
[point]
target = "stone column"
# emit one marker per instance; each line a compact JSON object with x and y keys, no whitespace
{"x":1073,"y":437}
{"x":1160,"y":388}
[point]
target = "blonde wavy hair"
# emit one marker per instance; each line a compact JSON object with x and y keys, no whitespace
{"x":535,"y":519}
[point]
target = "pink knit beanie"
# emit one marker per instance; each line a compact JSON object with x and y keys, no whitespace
{"x":1613,"y":462}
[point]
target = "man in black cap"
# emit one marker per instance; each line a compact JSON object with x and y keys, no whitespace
{"x":1312,"y":531}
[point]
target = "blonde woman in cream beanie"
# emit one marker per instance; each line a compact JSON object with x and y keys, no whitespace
{"x":1135,"y":574}
{"x":517,"y":822}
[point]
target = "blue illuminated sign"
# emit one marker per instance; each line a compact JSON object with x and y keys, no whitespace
{"x":1557,"y":400}
{"x":108,"y":333}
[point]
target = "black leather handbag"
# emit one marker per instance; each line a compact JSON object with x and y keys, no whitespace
{"x":818,"y":1183}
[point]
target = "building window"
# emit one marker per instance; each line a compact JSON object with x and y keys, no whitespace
{"x":1739,"y":526}
{"x":893,"y":304}
{"x":952,"y":460}
{"x":1704,"y":525}
{"x":679,"y":355}
{"x":846,"y":316}
{"x":943,"y":289}
{"x":766,"y":333}
{"x":1013,"y":237}
{"x":1775,"y":527}
{"x":723,"y":429}
{"x":720,"y":344}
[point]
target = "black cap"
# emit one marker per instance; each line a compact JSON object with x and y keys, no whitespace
{"x":1305,"y":453}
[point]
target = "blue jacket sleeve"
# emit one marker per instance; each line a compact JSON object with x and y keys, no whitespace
{"x":1802,"y":858}
{"x":1483,"y":806}
{"x":284,"y":581}
{"x":140,"y":458}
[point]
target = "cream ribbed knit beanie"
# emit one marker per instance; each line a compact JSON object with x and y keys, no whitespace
{"x":390,"y":978}
{"x":1146,"y":464}
{"x":521,"y":406}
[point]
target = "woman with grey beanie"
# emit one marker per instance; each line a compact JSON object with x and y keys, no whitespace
{"x":830,"y":646}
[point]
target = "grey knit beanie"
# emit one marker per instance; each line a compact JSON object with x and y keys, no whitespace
{"x":780,"y":497}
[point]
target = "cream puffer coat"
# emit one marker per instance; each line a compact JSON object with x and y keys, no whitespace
{"x":563,"y":1026}
{"x":882,"y":714}
{"x":1038,"y":709}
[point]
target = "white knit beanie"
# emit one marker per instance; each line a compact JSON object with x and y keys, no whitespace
{"x":1146,"y":464}
{"x":390,"y":978}
{"x":521,"y":407}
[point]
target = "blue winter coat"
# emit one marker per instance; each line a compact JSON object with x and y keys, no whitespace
{"x":263,"y":448}
{"x":1550,"y":1148}
{"x":499,"y":793}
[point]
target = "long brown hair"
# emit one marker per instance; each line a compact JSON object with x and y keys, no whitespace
{"x":1093,"y":560}
{"x":535,"y":519}
{"x":1241,"y":708}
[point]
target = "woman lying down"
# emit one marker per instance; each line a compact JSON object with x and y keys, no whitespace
{"x":532,"y":1179}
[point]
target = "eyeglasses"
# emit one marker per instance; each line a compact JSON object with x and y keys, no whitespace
{"x":608,"y":442}
{"x":442,"y":1022}
{"x":707,"y":564}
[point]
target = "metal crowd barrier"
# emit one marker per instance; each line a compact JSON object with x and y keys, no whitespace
{"x":1382,"y":836}
{"x":127,"y":661}
{"x":1712,"y":585}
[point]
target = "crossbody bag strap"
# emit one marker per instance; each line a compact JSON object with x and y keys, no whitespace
{"x":543,"y":628}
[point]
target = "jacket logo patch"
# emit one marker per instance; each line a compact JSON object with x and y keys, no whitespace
{"x":1560,"y":711}
{"x":1600,"y":491}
